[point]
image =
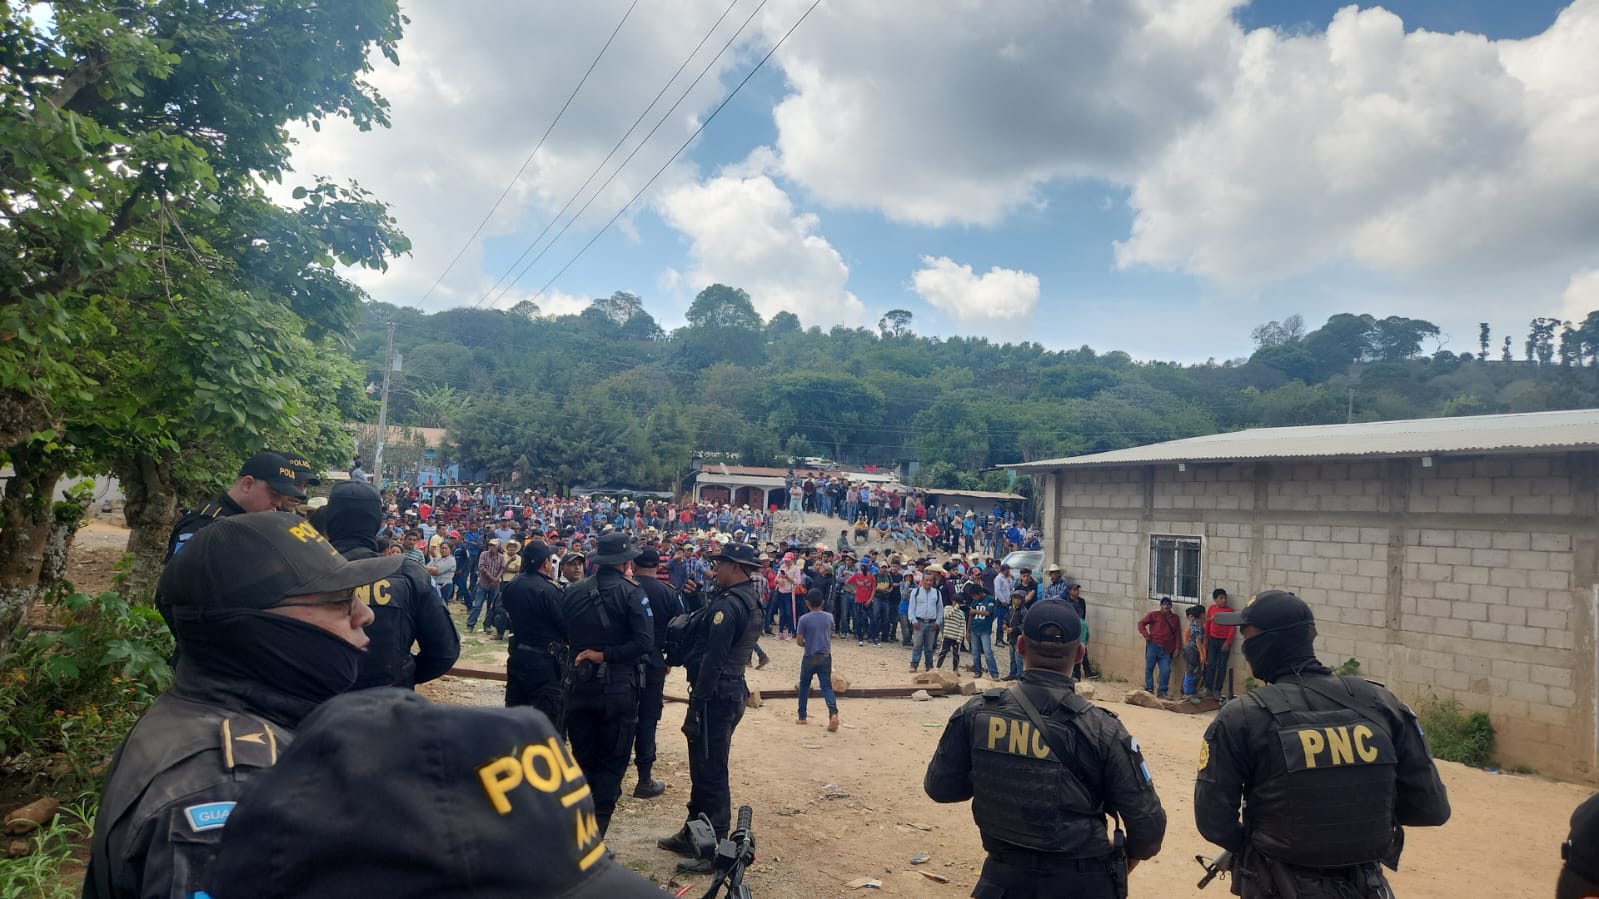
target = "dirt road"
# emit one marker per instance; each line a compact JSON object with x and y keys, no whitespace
{"x":1502,"y":842}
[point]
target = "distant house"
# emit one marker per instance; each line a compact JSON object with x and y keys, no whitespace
{"x":1456,"y":557}
{"x":761,"y":488}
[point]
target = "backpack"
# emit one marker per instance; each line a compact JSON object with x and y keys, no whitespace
{"x":685,"y":639}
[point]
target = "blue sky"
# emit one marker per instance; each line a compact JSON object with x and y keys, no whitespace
{"x":1156,"y":181}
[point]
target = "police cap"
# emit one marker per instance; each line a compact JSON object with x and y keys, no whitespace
{"x":259,"y":559}
{"x":649,"y":558}
{"x":1270,"y":610}
{"x":493,"y":805}
{"x":303,"y":470}
{"x":277,"y":471}
{"x":1052,"y":621}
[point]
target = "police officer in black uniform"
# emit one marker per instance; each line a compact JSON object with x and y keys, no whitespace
{"x":664,"y":605}
{"x":608,"y":628}
{"x":406,"y":608}
{"x":1329,"y":768}
{"x":717,"y":693}
{"x":265,"y":479}
{"x":537,"y":664}
{"x":268,"y":627}
{"x":415,"y":800}
{"x":1579,"y":875}
{"x":304,"y":477}
{"x":1043,"y":768}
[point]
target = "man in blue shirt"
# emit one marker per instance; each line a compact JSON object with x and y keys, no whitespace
{"x":814,"y":633}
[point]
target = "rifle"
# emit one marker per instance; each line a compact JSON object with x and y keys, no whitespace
{"x":730,"y":856}
{"x":1221,"y":864}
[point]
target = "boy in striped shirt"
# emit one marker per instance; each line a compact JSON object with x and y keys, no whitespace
{"x":954,"y":632}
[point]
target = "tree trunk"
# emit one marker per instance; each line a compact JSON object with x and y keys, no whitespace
{"x":25,"y":513}
{"x":150,"y":504}
{"x":66,"y":517}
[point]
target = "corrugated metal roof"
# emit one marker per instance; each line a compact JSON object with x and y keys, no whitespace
{"x":1566,"y":430}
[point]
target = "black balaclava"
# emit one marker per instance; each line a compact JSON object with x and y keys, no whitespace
{"x":1290,"y":649}
{"x":354,"y":515}
{"x":287,"y":655}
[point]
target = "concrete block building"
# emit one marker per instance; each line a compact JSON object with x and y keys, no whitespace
{"x":1452,"y":557}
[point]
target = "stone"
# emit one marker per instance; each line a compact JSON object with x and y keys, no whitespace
{"x":921,"y":696}
{"x":755,"y":700}
{"x":840,"y":684}
{"x":1143,"y":698}
{"x":968,"y":687}
{"x":1087,"y":689}
{"x":926,"y":677}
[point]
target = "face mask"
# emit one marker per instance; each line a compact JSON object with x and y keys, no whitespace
{"x":287,"y":654}
{"x":1271,"y":654}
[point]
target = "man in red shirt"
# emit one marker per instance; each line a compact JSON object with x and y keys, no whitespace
{"x":865,"y":584}
{"x":1162,"y":632}
{"x":1218,"y":643}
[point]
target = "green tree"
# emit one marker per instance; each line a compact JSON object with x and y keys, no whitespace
{"x":721,"y":307}
{"x":782,"y":325}
{"x":895,"y":323}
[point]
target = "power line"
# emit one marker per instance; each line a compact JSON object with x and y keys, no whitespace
{"x":526,"y":162}
{"x":673,"y":158}
{"x":623,"y":139}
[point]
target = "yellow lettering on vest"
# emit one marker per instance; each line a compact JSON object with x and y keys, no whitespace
{"x":1018,"y":738}
{"x":1040,"y":748}
{"x":1368,"y":752}
{"x":1312,"y":743}
{"x":499,"y":777}
{"x":1338,"y":741}
{"x":549,"y":780}
{"x":996,"y":731}
{"x":380,"y":593}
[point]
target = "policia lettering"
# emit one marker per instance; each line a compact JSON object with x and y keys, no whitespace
{"x":1319,"y":747}
{"x":549,"y":768}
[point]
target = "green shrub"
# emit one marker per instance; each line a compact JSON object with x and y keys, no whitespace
{"x":1349,"y":668}
{"x":1455,"y":736}
{"x":68,"y":696}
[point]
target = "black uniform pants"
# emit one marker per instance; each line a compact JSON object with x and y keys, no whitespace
{"x":650,"y":702}
{"x":600,"y":730}
{"x":533,"y":677}
{"x":1258,"y":878}
{"x":1016,"y":878}
{"x":709,"y":791}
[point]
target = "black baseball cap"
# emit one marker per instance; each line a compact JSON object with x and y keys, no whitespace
{"x":277,"y":471}
{"x":1580,"y":875}
{"x":1269,"y":610}
{"x":975,"y":589}
{"x":492,"y":801}
{"x":259,"y":559}
{"x":1052,"y":621}
{"x":303,"y":471}
{"x":534,"y":554}
{"x":649,"y":558}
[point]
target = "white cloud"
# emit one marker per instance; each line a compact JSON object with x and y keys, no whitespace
{"x":1001,"y":295}
{"x":743,"y":231}
{"x":1580,"y":297}
{"x":470,"y":100}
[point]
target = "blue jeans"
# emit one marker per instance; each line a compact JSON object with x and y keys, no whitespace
{"x":1015,"y":662}
{"x":862,"y":620}
{"x":819,"y":665}
{"x":904,"y":630}
{"x":983,"y":644}
{"x":481,"y":599}
{"x":882,"y":619}
{"x":1156,"y":655}
{"x":926,"y":641}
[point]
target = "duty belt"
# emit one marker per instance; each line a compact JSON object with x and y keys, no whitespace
{"x":553,"y":649}
{"x":1050,"y":860}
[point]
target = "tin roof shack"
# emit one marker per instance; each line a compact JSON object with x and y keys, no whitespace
{"x":1456,"y":557}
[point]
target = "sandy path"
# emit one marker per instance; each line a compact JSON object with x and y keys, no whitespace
{"x":1502,"y":842}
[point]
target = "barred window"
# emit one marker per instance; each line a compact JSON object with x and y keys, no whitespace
{"x":1174,"y":567}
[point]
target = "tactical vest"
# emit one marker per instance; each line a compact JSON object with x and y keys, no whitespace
{"x":738,"y":657}
{"x":1022,"y":793}
{"x":387,"y":661}
{"x":1328,"y":798}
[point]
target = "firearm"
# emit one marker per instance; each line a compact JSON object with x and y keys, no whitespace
{"x":730,"y":856}
{"x":1221,"y":864}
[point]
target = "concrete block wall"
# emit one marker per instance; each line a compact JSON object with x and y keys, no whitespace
{"x":1472,"y":579}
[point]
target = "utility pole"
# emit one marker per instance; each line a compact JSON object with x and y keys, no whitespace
{"x":1349,"y":416}
{"x":383,"y":410}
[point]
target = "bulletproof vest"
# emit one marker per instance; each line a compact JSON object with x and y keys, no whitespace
{"x":745,"y":603}
{"x":1327,"y":799}
{"x":1022,"y":793}
{"x":387,"y":661}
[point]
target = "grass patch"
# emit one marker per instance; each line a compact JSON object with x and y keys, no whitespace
{"x":39,"y":874}
{"x":1456,"y":736}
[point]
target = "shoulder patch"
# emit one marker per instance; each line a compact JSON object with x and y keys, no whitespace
{"x":207,"y":816}
{"x":247,"y":743}
{"x":1204,"y":755}
{"x":718,"y":617}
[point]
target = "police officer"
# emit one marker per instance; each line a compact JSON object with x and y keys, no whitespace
{"x":304,"y":477}
{"x":1043,"y":769}
{"x":608,"y":628}
{"x":1329,"y":768}
{"x":537,"y":663}
{"x":664,"y":606}
{"x":485,"y":802}
{"x":268,"y":626}
{"x":1579,"y":875}
{"x":717,"y":693}
{"x":406,"y":609}
{"x":265,"y":480}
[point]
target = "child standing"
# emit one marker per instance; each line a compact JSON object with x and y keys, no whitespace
{"x":814,"y":633}
{"x":1194,"y":652}
{"x":954,"y":633}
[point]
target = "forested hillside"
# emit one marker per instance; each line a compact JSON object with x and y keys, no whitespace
{"x":607,"y":397}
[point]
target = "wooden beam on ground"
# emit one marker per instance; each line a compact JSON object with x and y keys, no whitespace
{"x":478,"y":673}
{"x":780,"y":693}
